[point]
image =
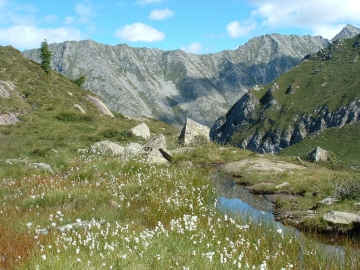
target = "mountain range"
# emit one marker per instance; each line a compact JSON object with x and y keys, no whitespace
{"x":321,"y":93}
{"x":173,"y":85}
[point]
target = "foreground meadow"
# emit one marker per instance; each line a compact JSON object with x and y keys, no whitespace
{"x":105,"y":213}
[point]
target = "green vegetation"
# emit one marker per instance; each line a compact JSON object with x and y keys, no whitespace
{"x":127,"y":214}
{"x":45,"y":56}
{"x":327,"y":80}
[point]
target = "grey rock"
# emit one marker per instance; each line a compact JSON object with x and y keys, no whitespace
{"x":78,"y":224}
{"x":349,"y":31}
{"x":282,"y":185}
{"x":141,"y":130}
{"x":5,"y":88}
{"x":8,"y":119}
{"x":155,"y":157}
{"x":133,"y":149}
{"x":107,"y":147}
{"x":156,"y":142}
{"x":99,"y":105}
{"x":337,"y":217}
{"x":328,"y":201}
{"x":356,"y":205}
{"x":193,"y":133}
{"x":318,"y":154}
{"x":173,"y":85}
{"x":43,"y":166}
{"x":78,"y":107}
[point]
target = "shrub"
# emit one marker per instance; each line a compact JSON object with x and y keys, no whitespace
{"x":347,"y":188}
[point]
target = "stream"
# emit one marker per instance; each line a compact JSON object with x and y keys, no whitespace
{"x":238,"y":201}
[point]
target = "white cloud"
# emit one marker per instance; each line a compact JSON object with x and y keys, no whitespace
{"x":28,"y":37}
{"x":145,"y":2}
{"x":235,"y":30}
{"x":194,"y":47}
{"x":312,"y":15}
{"x":85,"y":12}
{"x":161,"y":14}
{"x":327,"y":31}
{"x":139,"y":32}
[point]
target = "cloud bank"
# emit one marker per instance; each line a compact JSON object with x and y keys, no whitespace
{"x":139,"y":32}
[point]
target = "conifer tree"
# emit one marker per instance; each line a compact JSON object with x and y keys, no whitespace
{"x":45,"y":56}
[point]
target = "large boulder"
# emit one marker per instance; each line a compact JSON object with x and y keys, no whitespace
{"x":157,"y":142}
{"x":99,"y":105}
{"x":156,"y":157}
{"x":141,"y":130}
{"x":133,"y":149}
{"x":194,"y":133}
{"x":107,"y":147}
{"x":8,"y":119}
{"x":337,"y":217}
{"x":319,"y":154}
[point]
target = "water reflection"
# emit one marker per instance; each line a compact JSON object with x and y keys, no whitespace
{"x":238,"y":201}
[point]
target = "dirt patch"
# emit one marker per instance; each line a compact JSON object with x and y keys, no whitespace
{"x":259,"y":165}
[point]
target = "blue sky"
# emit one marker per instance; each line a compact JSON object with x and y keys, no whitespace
{"x":196,"y":26}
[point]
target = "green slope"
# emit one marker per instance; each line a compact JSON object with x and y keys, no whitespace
{"x":329,"y":79}
{"x":50,"y":128}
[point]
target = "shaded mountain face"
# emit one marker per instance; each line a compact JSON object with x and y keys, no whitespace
{"x":173,"y":85}
{"x":320,"y":93}
{"x":348,"y":31}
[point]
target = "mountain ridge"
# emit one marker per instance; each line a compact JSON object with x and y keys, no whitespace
{"x":173,"y":85}
{"x":320,"y":93}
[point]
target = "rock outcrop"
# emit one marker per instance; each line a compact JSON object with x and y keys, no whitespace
{"x":8,"y":119}
{"x":141,"y":130}
{"x":266,"y":122}
{"x":193,"y":133}
{"x":173,"y":85}
{"x":318,"y":154}
{"x":99,"y":105}
{"x":349,"y":31}
{"x":337,"y":217}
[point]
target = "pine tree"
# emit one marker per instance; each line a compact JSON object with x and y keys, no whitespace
{"x":45,"y":56}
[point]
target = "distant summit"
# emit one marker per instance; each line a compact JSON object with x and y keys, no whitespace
{"x":348,"y":31}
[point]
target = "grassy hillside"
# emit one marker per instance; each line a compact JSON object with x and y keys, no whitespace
{"x":328,"y":79}
{"x":50,"y":128}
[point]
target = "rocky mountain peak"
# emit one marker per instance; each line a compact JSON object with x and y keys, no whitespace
{"x":349,"y":31}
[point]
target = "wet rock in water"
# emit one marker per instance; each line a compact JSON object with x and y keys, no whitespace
{"x":141,"y":130}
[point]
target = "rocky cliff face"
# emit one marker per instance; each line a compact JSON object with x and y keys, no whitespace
{"x":322,"y":92}
{"x":348,"y":31}
{"x":173,"y":85}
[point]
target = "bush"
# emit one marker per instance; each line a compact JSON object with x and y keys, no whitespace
{"x":347,"y":188}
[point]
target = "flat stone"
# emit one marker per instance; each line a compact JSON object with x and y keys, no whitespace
{"x":329,"y":201}
{"x":337,"y":217}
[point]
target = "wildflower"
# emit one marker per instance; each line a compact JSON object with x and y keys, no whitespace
{"x":43,"y":257}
